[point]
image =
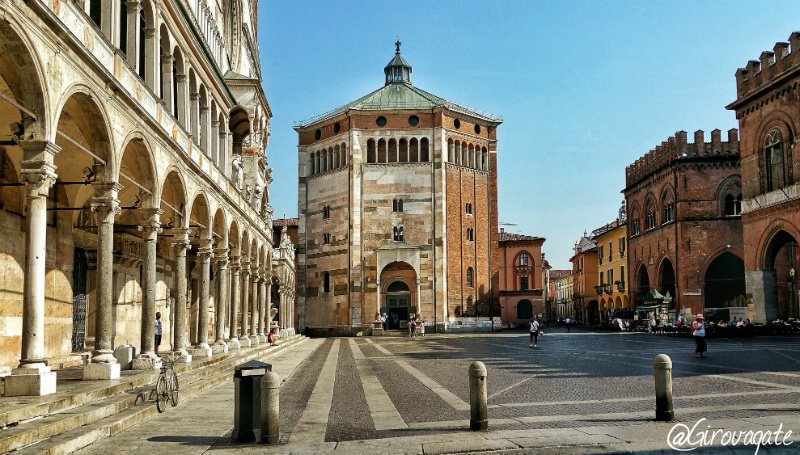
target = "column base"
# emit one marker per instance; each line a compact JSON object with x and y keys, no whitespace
{"x":124,"y":355}
{"x":233,"y":344}
{"x":262,"y":339}
{"x":34,"y":382}
{"x":244,"y":342}
{"x":202,"y":351}
{"x":182,"y":356}
{"x":219,"y":348}
{"x":254,"y":341}
{"x":146,"y":362}
{"x":95,"y":371}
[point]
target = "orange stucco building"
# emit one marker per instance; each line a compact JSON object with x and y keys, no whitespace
{"x":585,"y":273}
{"x":520,"y":278}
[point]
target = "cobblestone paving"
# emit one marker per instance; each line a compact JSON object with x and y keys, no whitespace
{"x":295,"y":393}
{"x":349,"y":418}
{"x":579,"y":379}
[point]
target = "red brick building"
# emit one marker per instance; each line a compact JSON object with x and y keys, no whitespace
{"x":684,"y":223}
{"x":397,"y":210}
{"x":521,"y":288}
{"x":768,"y":110}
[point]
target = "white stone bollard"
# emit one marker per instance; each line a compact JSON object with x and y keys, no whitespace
{"x":662,"y":365}
{"x":270,"y":415}
{"x":478,"y":408}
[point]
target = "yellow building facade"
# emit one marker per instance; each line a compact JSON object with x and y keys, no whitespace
{"x":612,"y":260}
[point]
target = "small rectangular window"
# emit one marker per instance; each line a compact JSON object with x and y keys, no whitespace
{"x":600,"y":256}
{"x":397,"y":205}
{"x":469,"y":209}
{"x":610,"y":251}
{"x":326,"y":239}
{"x":523,"y":283}
{"x":470,"y":236}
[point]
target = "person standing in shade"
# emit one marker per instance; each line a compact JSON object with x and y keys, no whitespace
{"x":569,"y":329}
{"x":534,"y":333}
{"x":159,"y":330}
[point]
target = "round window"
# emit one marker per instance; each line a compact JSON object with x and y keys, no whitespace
{"x":413,"y":120}
{"x":477,"y":129}
{"x":336,"y":127}
{"x":381,"y":121}
{"x":317,"y":134}
{"x":457,"y":123}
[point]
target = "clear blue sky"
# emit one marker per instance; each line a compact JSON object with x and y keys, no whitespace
{"x":584,"y":87}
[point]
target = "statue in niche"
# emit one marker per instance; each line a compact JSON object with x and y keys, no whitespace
{"x":238,"y":174}
{"x":257,"y":200}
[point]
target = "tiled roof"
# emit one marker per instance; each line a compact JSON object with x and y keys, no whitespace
{"x":556,"y":275}
{"x":508,"y":237}
{"x":289,"y":222}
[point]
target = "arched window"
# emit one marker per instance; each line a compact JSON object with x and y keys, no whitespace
{"x":733,"y":204}
{"x":397,"y":286}
{"x":773,"y":151}
{"x":423,"y":147}
{"x":669,"y":212}
{"x":650,"y":217}
{"x":326,"y":283}
{"x":470,"y":277}
{"x":371,"y":158}
{"x":523,"y":259}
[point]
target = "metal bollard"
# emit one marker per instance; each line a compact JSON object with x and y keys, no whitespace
{"x":270,"y":416}
{"x":662,"y":365}
{"x":478,"y":409}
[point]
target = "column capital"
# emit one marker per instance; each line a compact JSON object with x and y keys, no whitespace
{"x":180,"y":241}
{"x":205,"y":252}
{"x":38,"y":152}
{"x":203,"y":108}
{"x":167,"y":59}
{"x":149,"y":32}
{"x":221,"y":255}
{"x":180,"y":77}
{"x":151,"y":225}
{"x":133,"y":5}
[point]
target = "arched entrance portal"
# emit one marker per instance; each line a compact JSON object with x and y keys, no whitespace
{"x":724,"y":282}
{"x":399,"y":294}
{"x":524,"y":310}
{"x":781,"y":259}
{"x":643,"y":279}
{"x":667,"y":281}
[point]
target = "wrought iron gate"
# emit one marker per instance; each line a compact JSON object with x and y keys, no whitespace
{"x":81,"y":266}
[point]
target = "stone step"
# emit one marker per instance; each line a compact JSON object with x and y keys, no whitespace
{"x":74,"y":428}
{"x":20,"y":409}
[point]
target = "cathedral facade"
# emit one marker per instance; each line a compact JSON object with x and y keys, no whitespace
{"x":397,"y":210}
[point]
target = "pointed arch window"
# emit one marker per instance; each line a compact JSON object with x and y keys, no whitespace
{"x":773,"y":151}
{"x":523,"y":259}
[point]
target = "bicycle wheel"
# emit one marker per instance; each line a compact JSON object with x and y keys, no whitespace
{"x":161,"y":394}
{"x":175,"y":389}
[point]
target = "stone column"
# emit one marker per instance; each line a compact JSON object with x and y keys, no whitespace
{"x":194,"y":114}
{"x":104,"y":365}
{"x":205,"y":253}
{"x":181,"y":244}
{"x":183,"y":119}
{"x":33,"y":376}
{"x":263,"y":319}
{"x":213,"y":153}
{"x":166,"y":82}
{"x":236,"y":294}
{"x":147,"y":359}
{"x":268,"y":304}
{"x":151,"y":63}
{"x":254,"y":339}
{"x":221,"y":257}
{"x":204,"y":127}
{"x":244,"y":339}
{"x":133,"y":9}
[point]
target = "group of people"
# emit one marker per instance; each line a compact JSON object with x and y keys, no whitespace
{"x":416,"y":326}
{"x":271,"y":338}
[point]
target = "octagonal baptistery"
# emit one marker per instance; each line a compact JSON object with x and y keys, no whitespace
{"x":397,"y":211}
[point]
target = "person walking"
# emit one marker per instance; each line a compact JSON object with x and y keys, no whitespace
{"x":159,"y":330}
{"x":422,"y":327}
{"x":534,"y":333}
{"x":414,"y":327}
{"x":699,"y":334}
{"x":569,"y":329}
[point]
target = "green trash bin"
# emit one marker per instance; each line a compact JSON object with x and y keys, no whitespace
{"x":247,"y":402}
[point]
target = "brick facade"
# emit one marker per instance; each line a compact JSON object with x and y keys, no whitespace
{"x":768,"y":110}
{"x":685,"y":233}
{"x":356,"y":164}
{"x":521,"y":285}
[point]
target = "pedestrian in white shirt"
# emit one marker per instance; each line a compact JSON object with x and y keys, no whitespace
{"x":534,"y":333}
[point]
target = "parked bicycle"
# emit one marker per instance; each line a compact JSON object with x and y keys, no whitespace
{"x":167,"y":387}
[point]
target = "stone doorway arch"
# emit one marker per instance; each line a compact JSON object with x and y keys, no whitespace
{"x":399,"y":294}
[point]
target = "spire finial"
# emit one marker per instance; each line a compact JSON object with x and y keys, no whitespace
{"x":397,"y":45}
